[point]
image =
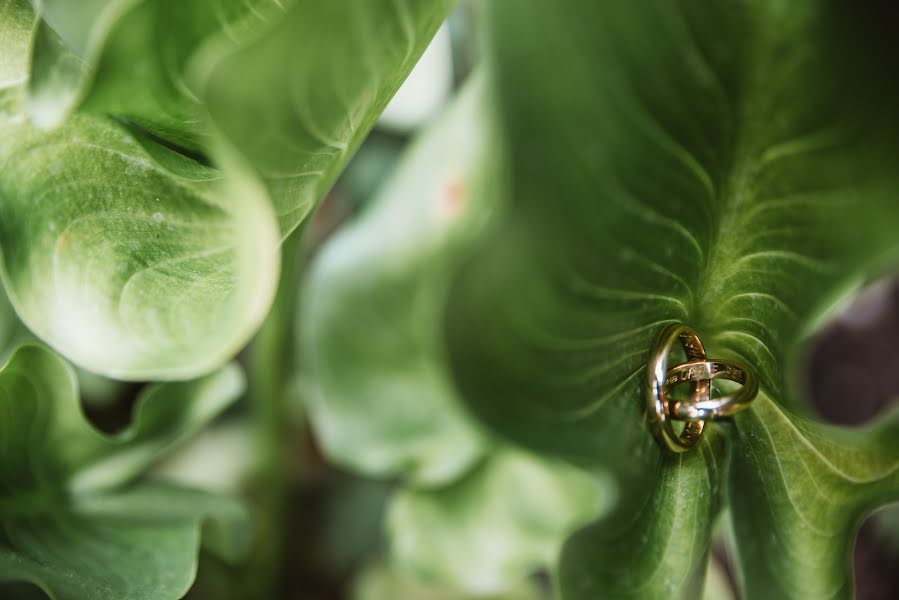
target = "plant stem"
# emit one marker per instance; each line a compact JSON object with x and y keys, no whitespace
{"x":271,"y":362}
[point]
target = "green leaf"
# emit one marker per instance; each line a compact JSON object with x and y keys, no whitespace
{"x":655,"y":543}
{"x":7,"y":321}
{"x":346,"y":59}
{"x":165,"y":415}
{"x":130,"y":259}
{"x":94,"y":57}
{"x":16,"y":24}
{"x":382,"y":401}
{"x":124,"y":266}
{"x":669,"y":162}
{"x":502,"y":521}
{"x":141,"y":544}
{"x":379,"y":582}
{"x":69,"y":524}
{"x":133,"y":260}
{"x":799,"y":491}
{"x":327,"y":68}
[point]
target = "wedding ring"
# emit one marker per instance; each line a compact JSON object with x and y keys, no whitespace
{"x":699,"y":372}
{"x":711,"y":408}
{"x":656,"y":392}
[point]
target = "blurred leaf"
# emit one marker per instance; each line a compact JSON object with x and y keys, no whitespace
{"x":382,"y":402}
{"x":379,"y":582}
{"x":727,"y":166}
{"x":132,"y":260}
{"x":425,"y":91}
{"x":65,"y":528}
{"x":218,"y":458}
{"x":294,"y":86}
{"x":886,"y":523}
{"x":127,"y":268}
{"x":505,"y":519}
{"x":717,"y":585}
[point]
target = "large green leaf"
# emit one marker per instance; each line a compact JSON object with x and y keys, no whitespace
{"x":71,"y":522}
{"x":123,"y":265}
{"x":131,"y":259}
{"x":382,"y":402}
{"x":472,"y":513}
{"x":294,"y":86}
{"x":346,"y":60}
{"x":95,"y":55}
{"x":655,"y":543}
{"x":726,"y":165}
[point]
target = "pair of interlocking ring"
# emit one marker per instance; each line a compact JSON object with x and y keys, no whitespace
{"x":699,"y":372}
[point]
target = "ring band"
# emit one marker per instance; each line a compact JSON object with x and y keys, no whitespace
{"x":710,"y":408}
{"x":656,"y":396}
{"x":699,"y":371}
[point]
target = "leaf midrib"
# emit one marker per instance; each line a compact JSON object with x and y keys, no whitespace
{"x":734,"y":193}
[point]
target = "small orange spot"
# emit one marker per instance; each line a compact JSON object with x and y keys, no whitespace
{"x":453,"y":200}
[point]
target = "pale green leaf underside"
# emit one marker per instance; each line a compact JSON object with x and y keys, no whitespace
{"x":380,"y":582}
{"x":345,"y":61}
{"x":95,"y":55}
{"x":43,"y":420}
{"x":127,"y":268}
{"x":293,"y":86}
{"x":382,"y":402}
{"x":132,"y":260}
{"x":68,"y":525}
{"x":129,"y":258}
{"x":499,"y":523}
{"x":145,"y":549}
{"x":689,"y":163}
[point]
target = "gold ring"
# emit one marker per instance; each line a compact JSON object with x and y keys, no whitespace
{"x":725,"y":406}
{"x":700,"y":372}
{"x":657,"y":376}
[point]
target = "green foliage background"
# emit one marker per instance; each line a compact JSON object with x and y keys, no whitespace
{"x":478,"y":333}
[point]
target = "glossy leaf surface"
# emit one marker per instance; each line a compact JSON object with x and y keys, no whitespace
{"x":725,"y":165}
{"x":131,"y":259}
{"x":72,"y":521}
{"x":293,"y":86}
{"x":124,"y":266}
